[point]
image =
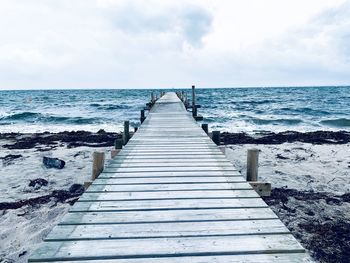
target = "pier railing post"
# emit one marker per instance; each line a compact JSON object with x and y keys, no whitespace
{"x":252,"y":165}
{"x":194,"y":107}
{"x":142,"y":117}
{"x":205,"y":127}
{"x":216,"y":137}
{"x":98,"y":164}
{"x":126,"y":133}
{"x":118,"y":145}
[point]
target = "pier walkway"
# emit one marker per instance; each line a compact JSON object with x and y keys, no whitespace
{"x":170,"y":196}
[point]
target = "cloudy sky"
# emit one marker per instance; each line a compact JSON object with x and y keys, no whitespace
{"x":142,"y":44}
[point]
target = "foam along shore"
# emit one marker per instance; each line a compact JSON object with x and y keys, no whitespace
{"x":311,"y":187}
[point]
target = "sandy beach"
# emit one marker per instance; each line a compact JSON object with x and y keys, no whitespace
{"x":311,"y":186}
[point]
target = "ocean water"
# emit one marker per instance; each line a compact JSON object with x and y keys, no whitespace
{"x":230,"y":109}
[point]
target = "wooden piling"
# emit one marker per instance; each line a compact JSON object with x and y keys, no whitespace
{"x":216,"y":137}
{"x":194,"y":108}
{"x":252,"y":165}
{"x":98,"y":164}
{"x":142,"y":117}
{"x":118,"y":144}
{"x":205,"y":127}
{"x":153,"y":97}
{"x":126,"y":134}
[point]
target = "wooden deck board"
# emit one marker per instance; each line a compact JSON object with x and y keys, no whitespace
{"x":170,"y":196}
{"x":247,"y":258}
{"x":160,"y":247}
{"x":190,"y":215}
{"x":168,"y":187}
{"x":177,"y":229}
{"x":171,"y":174}
{"x":176,"y":204}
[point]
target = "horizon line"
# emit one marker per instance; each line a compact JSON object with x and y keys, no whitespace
{"x":176,"y":88}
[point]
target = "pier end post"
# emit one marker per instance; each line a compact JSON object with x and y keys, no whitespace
{"x":194,"y":107}
{"x":126,"y":133}
{"x":252,"y":165}
{"x":216,"y":137}
{"x":205,"y":127}
{"x":142,"y":116}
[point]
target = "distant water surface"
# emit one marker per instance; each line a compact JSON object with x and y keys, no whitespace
{"x":231,"y":109}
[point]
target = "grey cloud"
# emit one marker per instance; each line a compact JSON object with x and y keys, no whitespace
{"x":196,"y":24}
{"x":132,"y":19}
{"x":187,"y":24}
{"x":335,"y":25}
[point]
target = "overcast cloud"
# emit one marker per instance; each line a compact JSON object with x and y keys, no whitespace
{"x":142,"y":44}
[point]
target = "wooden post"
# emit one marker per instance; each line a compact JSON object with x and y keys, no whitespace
{"x":252,"y":165}
{"x":194,"y":109}
{"x":98,"y":164}
{"x":142,"y":118}
{"x":135,"y":129}
{"x":118,"y":144}
{"x":216,"y":137}
{"x":126,"y":134}
{"x":205,"y":127}
{"x":153,"y":99}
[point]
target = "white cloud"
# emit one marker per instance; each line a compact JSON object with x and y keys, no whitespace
{"x":110,"y":43}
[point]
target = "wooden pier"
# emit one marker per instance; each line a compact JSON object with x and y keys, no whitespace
{"x":170,"y":195}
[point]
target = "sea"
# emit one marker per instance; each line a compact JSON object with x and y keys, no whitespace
{"x":250,"y":110}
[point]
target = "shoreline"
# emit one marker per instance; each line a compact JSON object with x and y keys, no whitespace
{"x":304,"y":169}
{"x":46,"y":141}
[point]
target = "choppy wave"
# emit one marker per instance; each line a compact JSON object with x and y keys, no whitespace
{"x":341,"y":122}
{"x":22,"y":116}
{"x":275,"y":121}
{"x":31,"y":117}
{"x":111,"y":106}
{"x":230,"y":109}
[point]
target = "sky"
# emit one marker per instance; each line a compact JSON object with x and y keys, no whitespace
{"x":50,"y":44}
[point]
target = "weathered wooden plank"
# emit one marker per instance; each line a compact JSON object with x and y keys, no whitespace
{"x":159,"y":164}
{"x":164,"y":169}
{"x":171,"y":174}
{"x":167,"y":157}
{"x":194,"y":147}
{"x":139,"y":142}
{"x":168,"y":180}
{"x":176,"y":154}
{"x":139,"y":161}
{"x":170,"y":195}
{"x":190,"y":215}
{"x":247,"y":258}
{"x":171,"y":151}
{"x":178,"y":204}
{"x":161,"y":247}
{"x":168,"y":187}
{"x":156,"y":230}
